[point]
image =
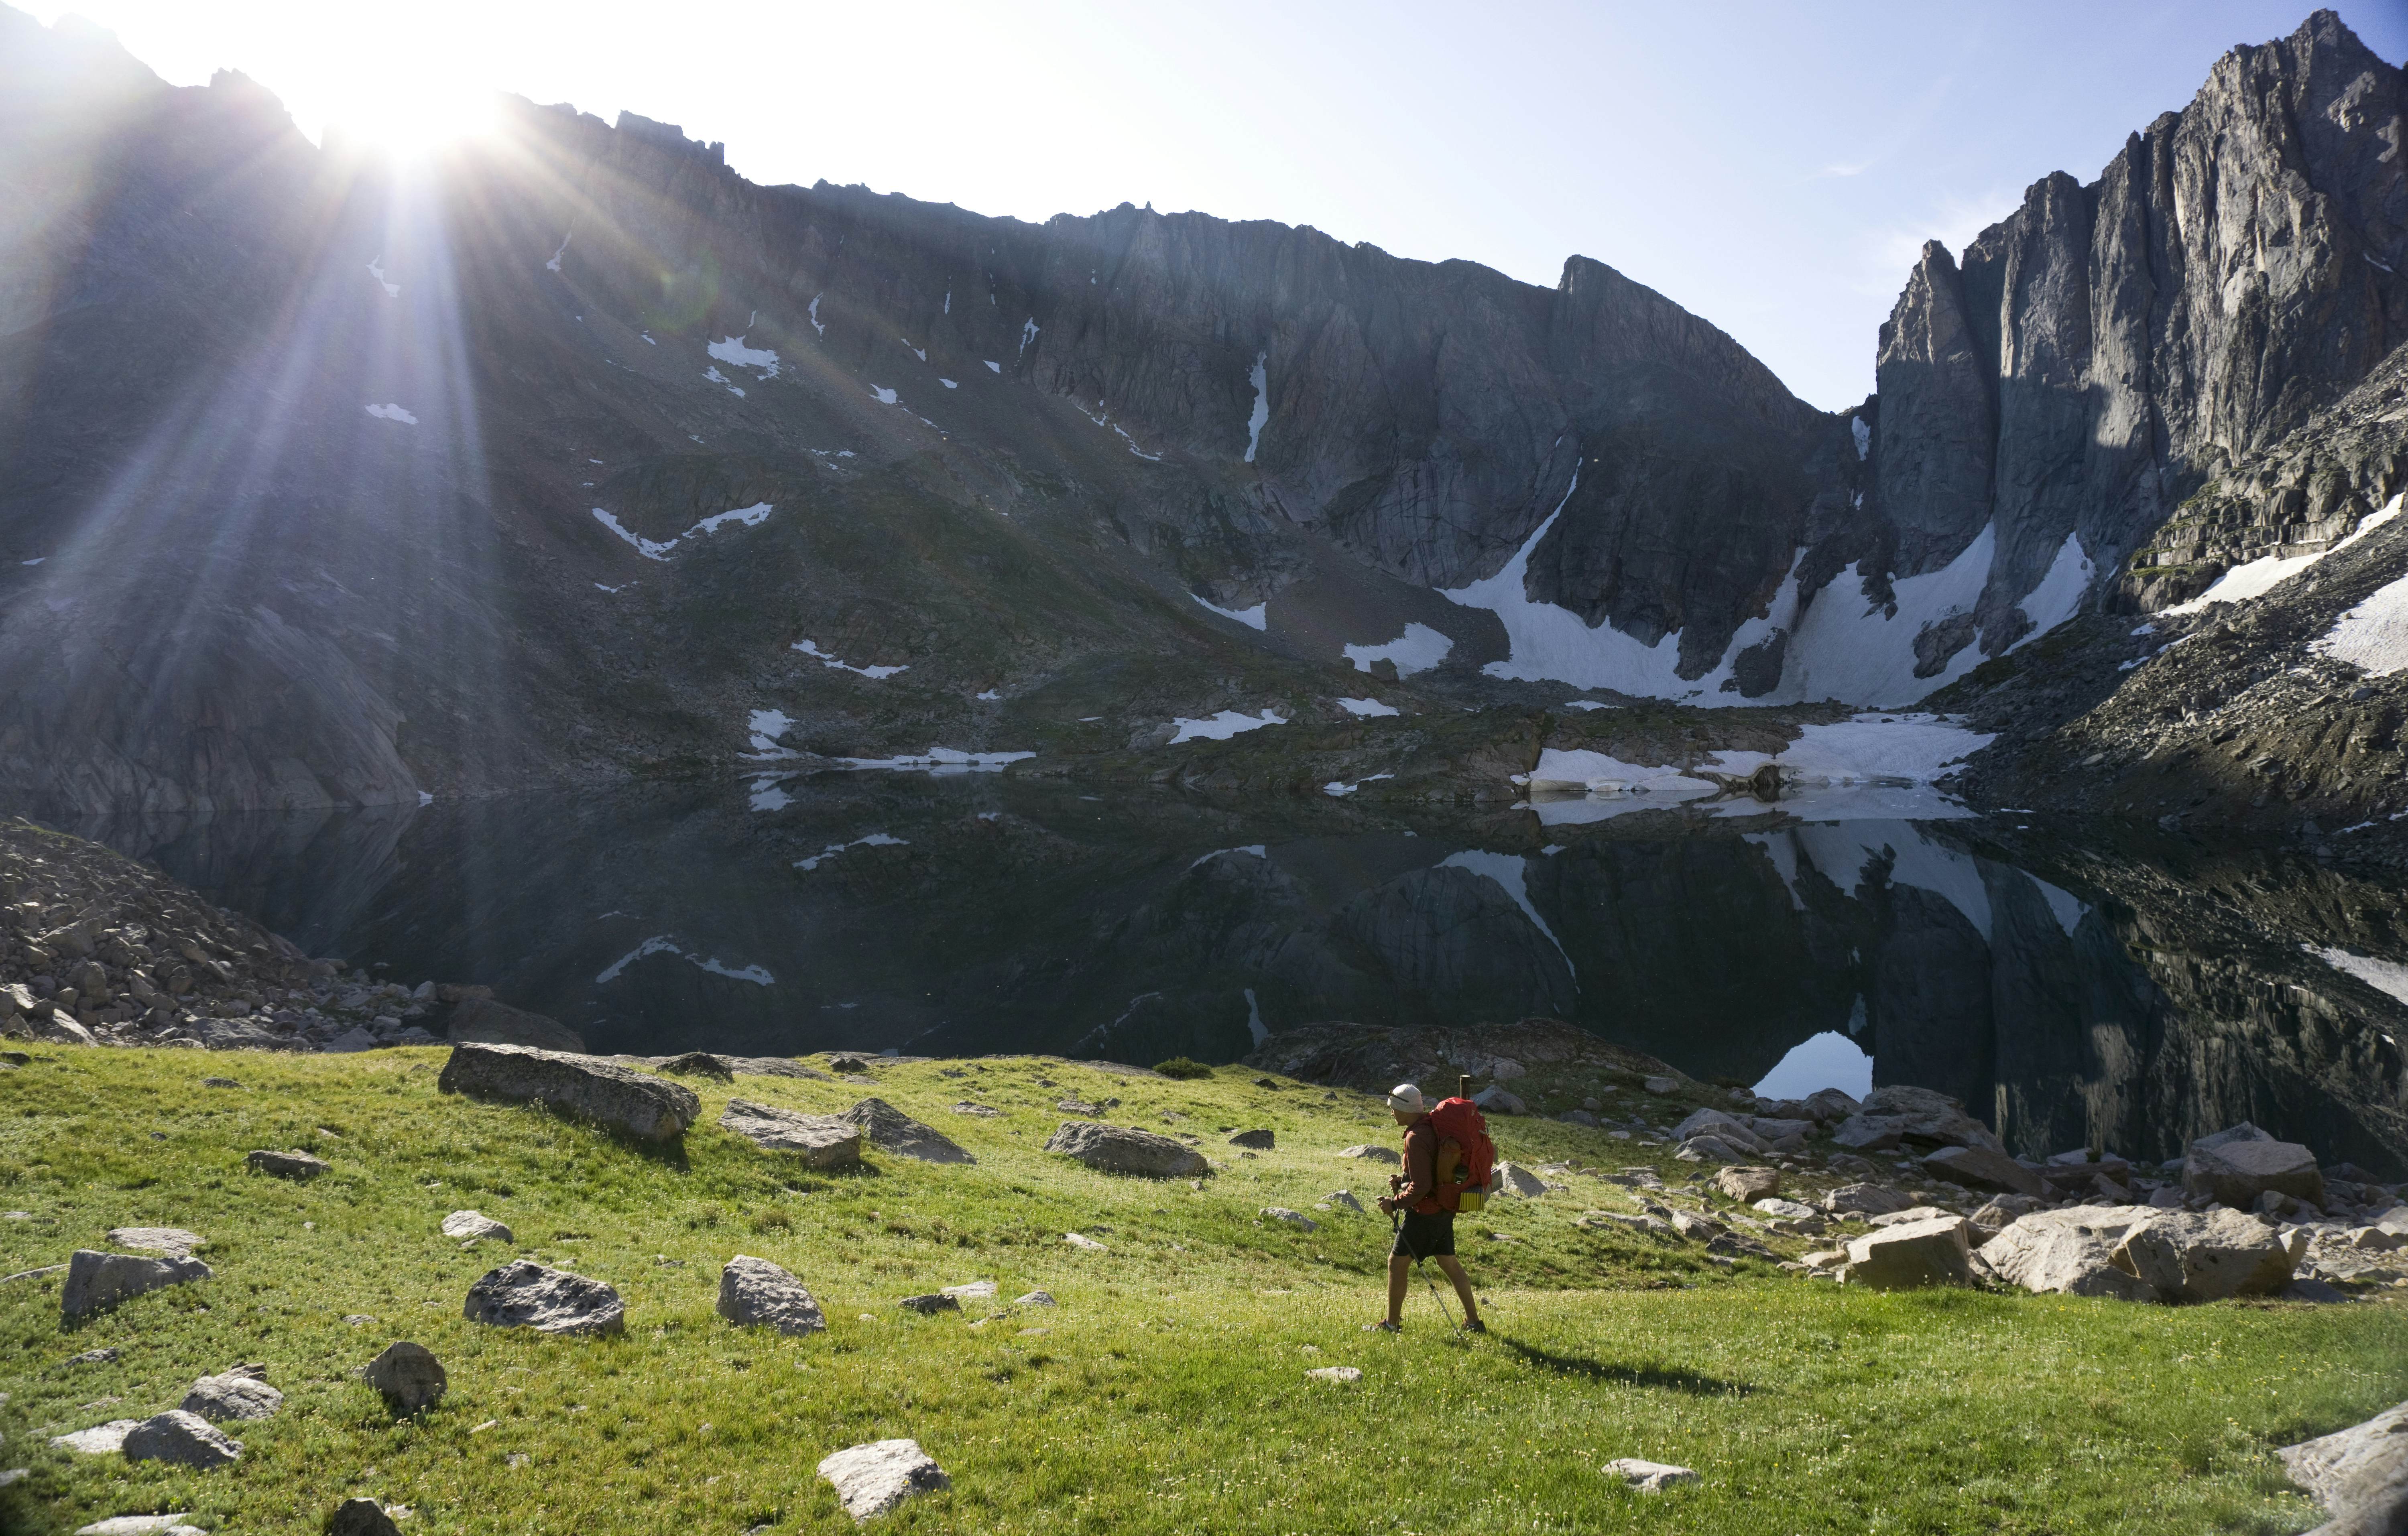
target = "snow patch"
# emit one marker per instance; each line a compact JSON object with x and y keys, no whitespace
{"x":1027,"y":335}
{"x":1506,"y":870}
{"x":919,"y":352}
{"x":1417,"y":650}
{"x":733,"y":352}
{"x":949,"y":384}
{"x":393,"y":413}
{"x":807,"y":648}
{"x":1846,"y":648}
{"x":1864,"y":436}
{"x":663,"y":944}
{"x":1256,"y":617}
{"x":875,"y":840}
{"x":752,"y":517}
{"x":553,"y":265}
{"x":885,"y":395}
{"x":943,"y":761}
{"x":989,"y":697}
{"x":1367,"y":706}
{"x":991,"y":367}
{"x":766,"y":725}
{"x":814,"y":313}
{"x":1340,"y":788}
{"x":2066,"y":907}
{"x":1260,"y":416}
{"x":1584,"y":705}
{"x":2257,"y":577}
{"x":2386,"y":976}
{"x":1256,"y":850}
{"x":376,"y":270}
{"x":1222,"y":726}
{"x":1581,"y":771}
{"x":2059,"y":593}
{"x":768,"y":795}
{"x":1254,"y":1025}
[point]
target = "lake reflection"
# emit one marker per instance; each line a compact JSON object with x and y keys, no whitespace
{"x":2062,"y":989}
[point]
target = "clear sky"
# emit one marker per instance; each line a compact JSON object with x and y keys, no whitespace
{"x":1772,"y":166}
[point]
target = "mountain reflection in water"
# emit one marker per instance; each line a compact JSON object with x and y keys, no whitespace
{"x":2138,"y":987}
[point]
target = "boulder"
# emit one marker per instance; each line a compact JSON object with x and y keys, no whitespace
{"x":2000,"y":1212}
{"x":873,"y":1479}
{"x":755,"y":1293}
{"x":1340,"y":1375}
{"x":1293,"y":1218}
{"x":1715,"y":1123}
{"x":1371,"y":1154}
{"x":100,"y":1440}
{"x":351,"y":1042}
{"x":484,"y":1021}
{"x":642,"y":1106}
{"x":1830,"y":1104}
{"x":2238,"y":1172}
{"x":1648,"y":1476}
{"x":525,"y":1294}
{"x":360,"y":1517}
{"x":1786,"y":1209}
{"x":1910,"y":1256}
{"x":1865,"y":1199}
{"x":1913,"y":1213}
{"x":1579,"y":1117}
{"x":889,"y":1129}
{"x":1514,"y":1179}
{"x":1497,"y":1100}
{"x":2069,"y":1253}
{"x":2358,"y":1474}
{"x":1870,"y":1133}
{"x":934,"y":1302}
{"x":96,"y":1281}
{"x":141,"y":1525}
{"x":1259,"y":1141}
{"x":471,"y":1225}
{"x":1692,"y":1223}
{"x":1711,"y":1148}
{"x":287,"y":1165}
{"x":1980,"y":1167}
{"x":407,"y":1376}
{"x":1344,"y":1199}
{"x":1747,"y":1184}
{"x":158,"y":1240}
{"x":700,"y":1064}
{"x":1121,"y":1149}
{"x":822,"y":1141}
{"x":2204,"y":1256}
{"x":1738,"y":1245}
{"x":185,"y":1438}
{"x":1084,"y":1242}
{"x":1933,"y":1119}
{"x":231,"y":1397}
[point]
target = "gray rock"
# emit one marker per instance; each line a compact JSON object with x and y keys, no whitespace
{"x":1035,"y":1298}
{"x":1712,"y":1148}
{"x":1344,"y":1199}
{"x":2069,"y":1253}
{"x":407,"y":1376}
{"x":484,"y":1021}
{"x":1748,"y":1185}
{"x":1293,"y":1218}
{"x":525,"y":1294}
{"x":820,"y":1140}
{"x":1121,"y":1149}
{"x":1980,"y":1167}
{"x":100,"y":1440}
{"x":1648,"y":1476}
{"x":97,"y":1280}
{"x":231,"y":1397}
{"x":1929,"y":1118}
{"x":1514,"y":1179}
{"x":1371,"y":1152}
{"x":1337,"y":1375}
{"x":1912,"y":1255}
{"x":1738,"y":1245}
{"x":1788,"y":1210}
{"x":2000,"y":1212}
{"x":287,"y":1165}
{"x":643,"y":1106}
{"x":141,"y":1525}
{"x":2238,"y":1172}
{"x":471,"y":1225}
{"x":2204,"y":1256}
{"x":91,"y":1357}
{"x":1865,"y":1199}
{"x":1724,"y":1128}
{"x":1870,"y":1132}
{"x":755,"y":1293}
{"x":700,"y":1064}
{"x":1830,"y":1104}
{"x":1579,"y":1117}
{"x":871,"y":1480}
{"x":360,"y":1517}
{"x":2358,"y":1474}
{"x":983,"y":1112}
{"x":158,"y":1240}
{"x":2313,"y":1291}
{"x":351,"y":1042}
{"x":185,"y":1438}
{"x":1498,"y":1100}
{"x":889,"y":1129}
{"x":1260,"y":1140}
{"x":1661,"y":1085}
{"x":934,"y":1302}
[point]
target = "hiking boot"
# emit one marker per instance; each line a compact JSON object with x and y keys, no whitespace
{"x":1475,"y":1326}
{"x":1383,"y":1327}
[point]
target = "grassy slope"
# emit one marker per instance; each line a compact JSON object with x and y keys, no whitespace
{"x":1165,"y":1392}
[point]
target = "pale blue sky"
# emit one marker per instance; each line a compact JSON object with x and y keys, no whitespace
{"x":1771,"y":166}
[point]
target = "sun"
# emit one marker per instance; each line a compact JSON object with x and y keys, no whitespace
{"x":406,"y":107}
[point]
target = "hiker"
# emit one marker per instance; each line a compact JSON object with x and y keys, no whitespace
{"x":1428,"y":1204}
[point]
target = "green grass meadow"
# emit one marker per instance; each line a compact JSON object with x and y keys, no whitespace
{"x":1167,"y":1390}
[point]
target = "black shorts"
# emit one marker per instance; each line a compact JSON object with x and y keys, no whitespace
{"x":1425,"y":1237}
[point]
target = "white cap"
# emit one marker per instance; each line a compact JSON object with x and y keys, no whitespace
{"x":1404,"y":1095}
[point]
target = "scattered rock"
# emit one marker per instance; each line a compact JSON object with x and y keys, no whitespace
{"x":601,"y":1091}
{"x":1121,"y":1149}
{"x":936,"y":1301}
{"x":1912,"y":1255}
{"x":983,"y":1111}
{"x":1371,"y":1154}
{"x":1789,"y":1210}
{"x":407,"y":1376}
{"x":186,"y":1439}
{"x":1713,"y":1149}
{"x":2136,"y":1253}
{"x":1689,"y":1224}
{"x":484,"y":1021}
{"x":1293,"y":1218}
{"x":231,"y":1397}
{"x":287,"y":1165}
{"x":842,"y":1063}
{"x":1982,"y":1167}
{"x":1649,"y":1476}
{"x":1661,"y":1085}
{"x":1579,"y":1117}
{"x":889,"y":1129}
{"x":1734,"y":1245}
{"x":2313,"y":1290}
{"x":360,"y":1517}
{"x":822,"y":1141}
{"x":1865,"y":1199}
{"x":219,"y":1083}
{"x":873,"y":1479}
{"x":1514,"y":1179}
{"x":976,"y":1290}
{"x":141,"y":1525}
{"x":1035,"y":1298}
{"x":700,"y":1064}
{"x":755,"y":1293}
{"x":525,"y":1294}
{"x":1497,"y":1100}
{"x":1913,"y":1213}
{"x":100,"y":1440}
{"x":2360,"y":1476}
{"x":1829,"y":1104}
{"x":1344,"y":1376}
{"x":1081,"y":1241}
{"x":1345,"y":1200}
{"x":97,"y":1280}
{"x":2237,"y":1172}
{"x":1748,"y":1185}
{"x":91,"y":1357}
{"x":2000,"y":1212}
{"x":471,"y":1225}
{"x":1259,"y":1141}
{"x":157,"y":1239}
{"x":1716,"y":1124}
{"x":353,"y":1041}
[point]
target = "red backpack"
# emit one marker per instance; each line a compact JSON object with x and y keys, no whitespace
{"x":1463,"y":1186}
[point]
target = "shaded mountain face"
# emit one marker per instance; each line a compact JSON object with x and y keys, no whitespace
{"x":575,"y":456}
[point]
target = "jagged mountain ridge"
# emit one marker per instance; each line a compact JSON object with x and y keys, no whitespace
{"x":1003,"y":456}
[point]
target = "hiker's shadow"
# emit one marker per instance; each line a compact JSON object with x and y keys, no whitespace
{"x":1627,"y":1375}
